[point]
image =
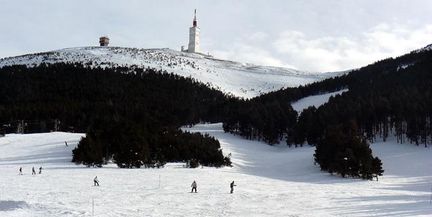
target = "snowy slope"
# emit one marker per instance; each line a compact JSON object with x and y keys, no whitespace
{"x":315,"y":100}
{"x":244,"y":80}
{"x":271,"y":181}
{"x":425,"y":49}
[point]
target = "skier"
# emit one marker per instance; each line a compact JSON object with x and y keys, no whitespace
{"x":194,"y":186}
{"x":232,"y":187}
{"x":66,"y":144}
{"x":40,"y":170}
{"x":96,"y":181}
{"x":33,"y":171}
{"x":20,"y":171}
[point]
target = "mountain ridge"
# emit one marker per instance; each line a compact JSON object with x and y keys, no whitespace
{"x":239,"y":79}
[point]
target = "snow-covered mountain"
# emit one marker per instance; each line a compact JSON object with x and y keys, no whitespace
{"x":239,"y":79}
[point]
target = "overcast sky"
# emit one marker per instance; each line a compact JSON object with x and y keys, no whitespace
{"x":313,"y":35}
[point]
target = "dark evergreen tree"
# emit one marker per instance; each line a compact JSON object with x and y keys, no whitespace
{"x":341,"y":151}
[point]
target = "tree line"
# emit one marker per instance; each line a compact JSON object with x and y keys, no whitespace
{"x":131,"y":116}
{"x":389,"y":98}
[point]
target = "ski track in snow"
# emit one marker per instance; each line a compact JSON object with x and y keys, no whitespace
{"x":239,"y":79}
{"x":315,"y":100}
{"x":271,"y":181}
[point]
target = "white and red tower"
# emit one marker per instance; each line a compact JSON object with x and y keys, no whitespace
{"x":194,"y":32}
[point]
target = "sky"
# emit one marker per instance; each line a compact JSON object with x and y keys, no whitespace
{"x":309,"y":35}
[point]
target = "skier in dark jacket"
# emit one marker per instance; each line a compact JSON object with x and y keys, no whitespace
{"x":96,"y":181}
{"x":20,"y":171}
{"x":232,"y":187}
{"x":194,"y":186}
{"x":33,"y":171}
{"x":40,"y":170}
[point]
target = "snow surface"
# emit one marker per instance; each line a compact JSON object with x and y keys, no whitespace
{"x":404,"y":66}
{"x":315,"y":100}
{"x":271,"y":181}
{"x":239,"y":79}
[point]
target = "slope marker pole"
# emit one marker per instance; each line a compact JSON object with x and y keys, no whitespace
{"x":430,"y":201}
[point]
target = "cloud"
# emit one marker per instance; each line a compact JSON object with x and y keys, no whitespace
{"x":249,"y":54}
{"x":295,"y":49}
{"x":334,"y":53}
{"x":250,"y":49}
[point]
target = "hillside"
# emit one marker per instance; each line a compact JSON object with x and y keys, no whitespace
{"x":271,"y":181}
{"x":239,"y":79}
{"x":388,"y":98}
{"x":129,"y":95}
{"x":131,"y":118}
